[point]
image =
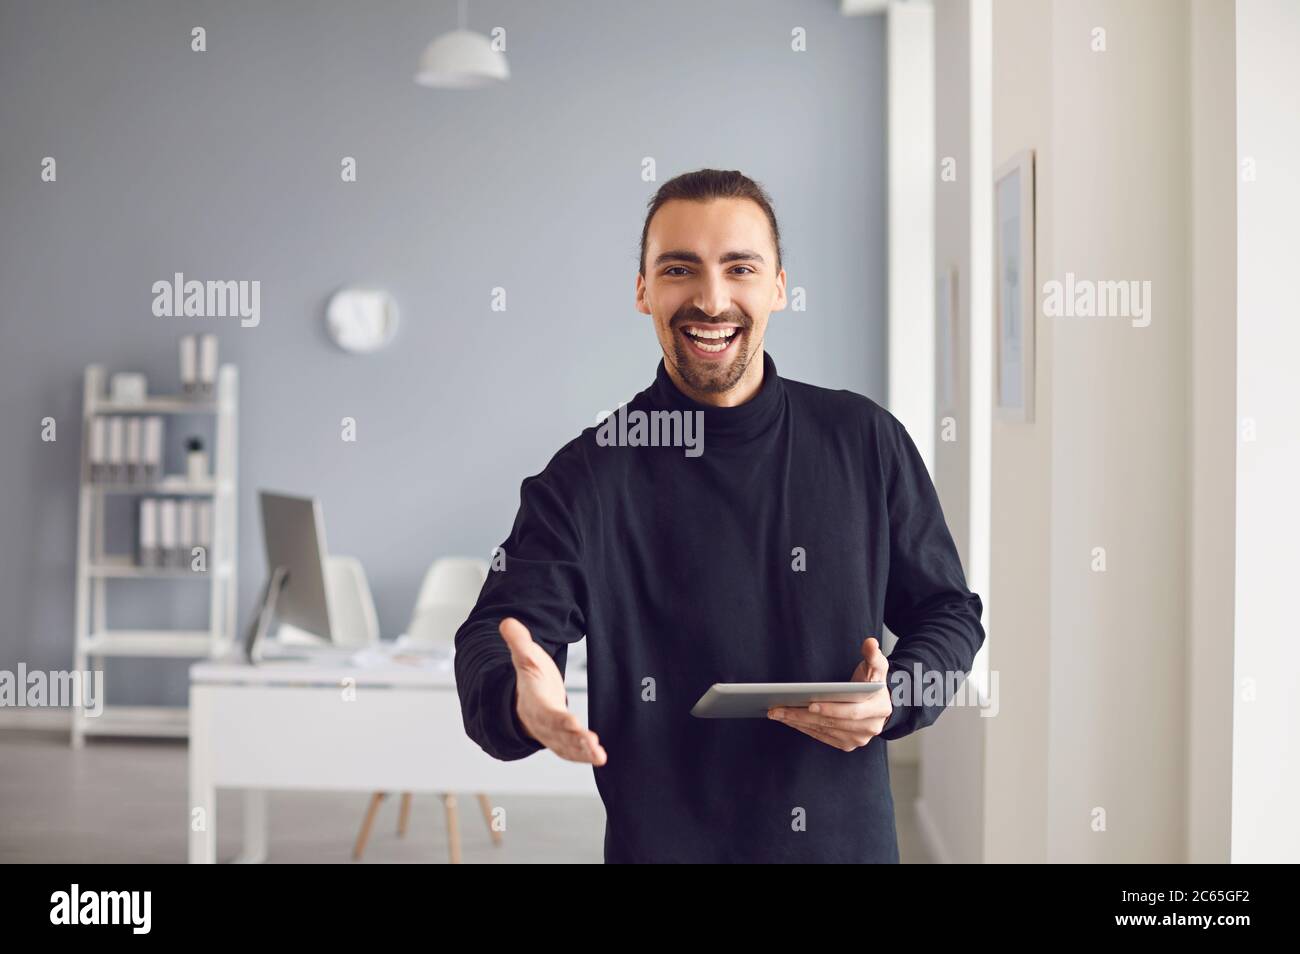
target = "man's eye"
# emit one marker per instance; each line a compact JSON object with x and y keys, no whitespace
{"x":682,"y":270}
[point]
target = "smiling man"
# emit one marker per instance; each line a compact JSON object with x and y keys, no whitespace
{"x":777,"y":554}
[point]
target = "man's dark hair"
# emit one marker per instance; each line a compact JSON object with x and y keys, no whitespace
{"x":705,"y":184}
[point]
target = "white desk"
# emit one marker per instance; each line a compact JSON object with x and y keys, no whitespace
{"x":327,"y":724}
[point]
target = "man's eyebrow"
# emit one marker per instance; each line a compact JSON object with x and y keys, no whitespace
{"x":682,"y":255}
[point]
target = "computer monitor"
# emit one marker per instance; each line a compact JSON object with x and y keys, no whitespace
{"x":295,"y":590}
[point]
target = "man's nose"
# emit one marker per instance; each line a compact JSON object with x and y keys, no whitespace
{"x":712,"y":297}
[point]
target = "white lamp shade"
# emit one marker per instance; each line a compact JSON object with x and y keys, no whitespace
{"x":461,"y":59}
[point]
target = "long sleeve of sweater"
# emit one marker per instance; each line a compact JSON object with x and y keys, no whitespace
{"x":927,"y":604}
{"x":537,"y":576}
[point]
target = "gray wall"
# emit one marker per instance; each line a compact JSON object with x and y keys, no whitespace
{"x":225,"y":165}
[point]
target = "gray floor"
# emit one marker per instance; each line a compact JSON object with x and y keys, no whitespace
{"x":123,"y":801}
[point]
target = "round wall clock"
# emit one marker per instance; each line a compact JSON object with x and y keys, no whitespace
{"x":361,"y":320}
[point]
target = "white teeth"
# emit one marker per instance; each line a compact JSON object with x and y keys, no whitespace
{"x":722,"y":337}
{"x":721,"y":346}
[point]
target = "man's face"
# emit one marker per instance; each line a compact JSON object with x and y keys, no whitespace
{"x":710,"y":283}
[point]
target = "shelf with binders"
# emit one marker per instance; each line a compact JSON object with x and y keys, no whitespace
{"x":156,"y":536}
{"x":167,"y":527}
{"x":127,"y":454}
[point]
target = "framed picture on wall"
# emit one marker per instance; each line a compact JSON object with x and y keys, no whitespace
{"x":945,"y":316}
{"x":1013,"y":288}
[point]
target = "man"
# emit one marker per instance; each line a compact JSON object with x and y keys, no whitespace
{"x":799,"y":522}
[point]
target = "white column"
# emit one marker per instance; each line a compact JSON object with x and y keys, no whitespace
{"x":910,"y":44}
{"x":1266,"y":667}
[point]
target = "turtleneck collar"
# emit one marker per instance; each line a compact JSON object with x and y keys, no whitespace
{"x":727,"y":425}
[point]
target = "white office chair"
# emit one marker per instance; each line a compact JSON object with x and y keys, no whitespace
{"x":449,"y":591}
{"x":351,"y":606}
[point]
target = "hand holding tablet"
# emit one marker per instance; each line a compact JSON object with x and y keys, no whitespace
{"x":752,"y":700}
{"x":846,"y":715}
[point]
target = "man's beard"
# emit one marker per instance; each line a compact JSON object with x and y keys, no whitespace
{"x":710,"y":377}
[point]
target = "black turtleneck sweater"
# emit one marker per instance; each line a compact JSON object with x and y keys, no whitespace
{"x":803,"y":522}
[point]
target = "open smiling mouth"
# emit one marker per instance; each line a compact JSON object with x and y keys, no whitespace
{"x":711,"y":340}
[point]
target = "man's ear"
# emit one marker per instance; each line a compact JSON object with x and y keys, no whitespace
{"x":779,"y":304}
{"x":642,"y":304}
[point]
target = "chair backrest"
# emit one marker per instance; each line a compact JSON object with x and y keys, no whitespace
{"x":448,"y":593}
{"x":351,"y":608}
{"x":351,"y":605}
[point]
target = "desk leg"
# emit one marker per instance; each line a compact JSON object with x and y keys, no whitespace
{"x":254,"y":852}
{"x":202,"y":815}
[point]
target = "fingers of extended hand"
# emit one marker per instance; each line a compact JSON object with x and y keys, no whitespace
{"x":568,"y":738}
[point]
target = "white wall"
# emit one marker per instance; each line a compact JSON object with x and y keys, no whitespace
{"x":1091,"y":757}
{"x":1266,"y":713}
{"x":1114,"y":686}
{"x":1212,"y":452}
{"x":1015,"y":773}
{"x":1119,"y":424}
{"x":951,"y":801}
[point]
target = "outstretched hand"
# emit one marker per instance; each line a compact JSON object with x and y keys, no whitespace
{"x":541,"y":702}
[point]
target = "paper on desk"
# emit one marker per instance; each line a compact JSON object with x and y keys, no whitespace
{"x":421,"y":658}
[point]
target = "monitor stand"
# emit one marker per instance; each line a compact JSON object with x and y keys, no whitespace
{"x":265,"y":615}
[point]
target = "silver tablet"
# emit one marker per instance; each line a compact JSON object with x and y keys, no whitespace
{"x":751,"y":700}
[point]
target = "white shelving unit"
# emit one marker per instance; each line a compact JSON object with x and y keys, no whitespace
{"x":95,"y":640}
